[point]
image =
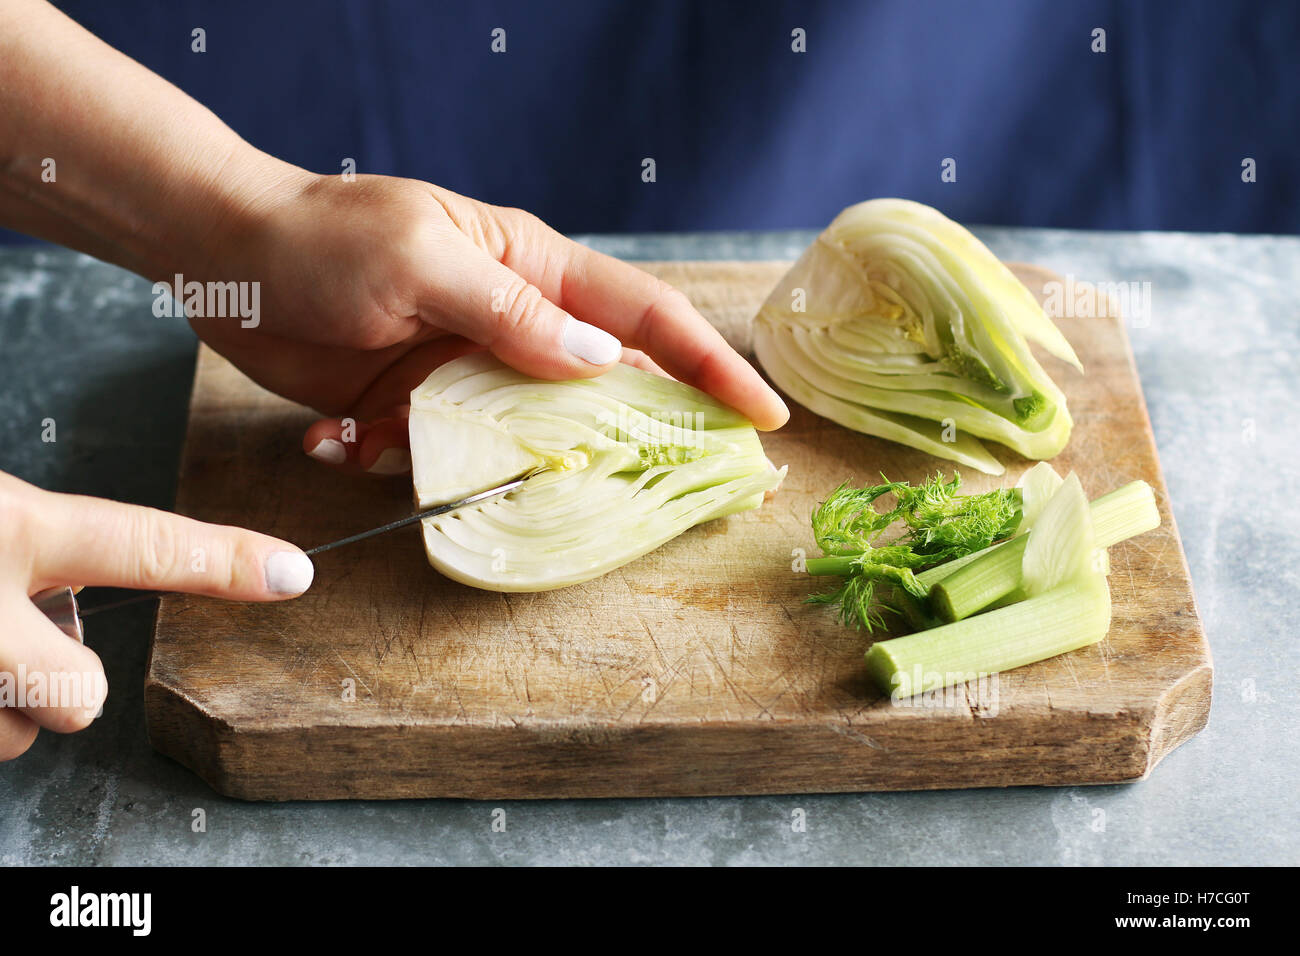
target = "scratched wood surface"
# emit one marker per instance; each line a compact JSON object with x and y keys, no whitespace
{"x":694,"y":670}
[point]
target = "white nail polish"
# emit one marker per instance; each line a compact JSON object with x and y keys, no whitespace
{"x":289,"y":572}
{"x":330,"y":451}
{"x":590,"y":343}
{"x":391,"y":461}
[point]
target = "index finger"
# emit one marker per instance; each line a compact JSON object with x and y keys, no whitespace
{"x":645,"y":312}
{"x":92,"y":541}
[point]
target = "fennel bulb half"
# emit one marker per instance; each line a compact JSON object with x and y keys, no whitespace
{"x":631,"y":461}
{"x":899,"y":323}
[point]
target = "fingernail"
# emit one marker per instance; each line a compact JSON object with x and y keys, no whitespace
{"x":590,"y":343}
{"x":289,"y":572}
{"x":391,"y":461}
{"x":330,"y":451}
{"x":785,"y":409}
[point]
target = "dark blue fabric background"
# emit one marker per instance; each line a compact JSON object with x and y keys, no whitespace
{"x":748,"y":134}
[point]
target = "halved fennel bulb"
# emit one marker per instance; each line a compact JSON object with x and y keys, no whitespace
{"x":630,"y":460}
{"x":899,"y":323}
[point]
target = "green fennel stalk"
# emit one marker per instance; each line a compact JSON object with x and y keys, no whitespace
{"x":994,"y":575}
{"x":1072,"y":615}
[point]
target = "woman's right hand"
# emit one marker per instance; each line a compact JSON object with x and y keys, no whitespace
{"x":49,"y":680}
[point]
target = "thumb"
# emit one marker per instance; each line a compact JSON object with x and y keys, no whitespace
{"x":492,"y":305}
{"x":91,"y":541}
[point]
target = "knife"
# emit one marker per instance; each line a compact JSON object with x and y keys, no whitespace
{"x":60,"y":605}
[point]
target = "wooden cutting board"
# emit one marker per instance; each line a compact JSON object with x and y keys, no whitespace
{"x":695,"y":670}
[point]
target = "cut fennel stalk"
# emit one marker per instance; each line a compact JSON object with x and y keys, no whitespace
{"x":630,"y":460}
{"x":899,"y":323}
{"x":968,"y":585}
{"x":1068,"y":608}
{"x":1071,"y":615}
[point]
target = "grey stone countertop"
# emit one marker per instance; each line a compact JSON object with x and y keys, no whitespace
{"x":1218,"y":361}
